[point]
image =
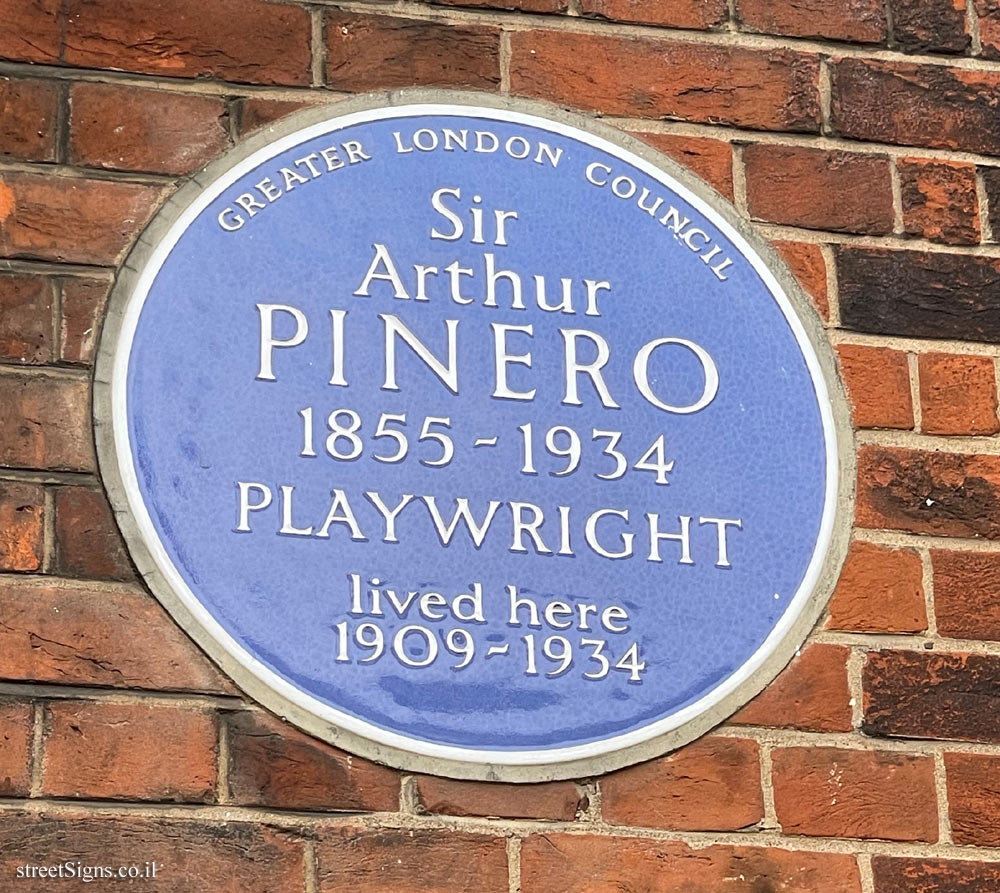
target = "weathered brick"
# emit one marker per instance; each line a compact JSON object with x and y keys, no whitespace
{"x":557,"y":800}
{"x":699,"y":14}
{"x":943,"y":494}
{"x":131,"y":128}
{"x":28,"y":109}
{"x":808,"y":265}
{"x":191,"y":856}
{"x":97,"y":750}
{"x":571,"y":863}
{"x":251,"y":41}
{"x":819,"y":189}
{"x":937,"y":26}
{"x":880,"y":590}
{"x":403,"y":861}
{"x":31,"y":30}
{"x":878,"y":385}
{"x":919,"y":294}
{"x":967,"y":593}
{"x":939,"y":200}
{"x":811,"y":693}
{"x":711,"y":785}
{"x":900,"y":874}
{"x":989,"y":27}
{"x":83,"y":303}
{"x":71,"y":219}
{"x":16,"y":732}
{"x":917,"y":105}
{"x":649,"y":78}
{"x":45,"y":422}
{"x":835,"y":792}
{"x":991,"y":186}
{"x":59,"y":633}
{"x":518,"y":5}
{"x":365,"y":52}
{"x":973,"y":798}
{"x":88,"y":543}
{"x":22,"y":534}
{"x":25,"y":318}
{"x":858,"y":21}
{"x":255,"y":112}
{"x":712,"y":160}
{"x":958,"y":394}
{"x":272,"y":764}
{"x":910,"y":694}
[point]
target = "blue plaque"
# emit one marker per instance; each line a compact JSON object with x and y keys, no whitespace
{"x":474,"y":437}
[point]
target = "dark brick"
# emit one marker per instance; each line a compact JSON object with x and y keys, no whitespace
{"x":939,"y":200}
{"x":192,"y":856}
{"x":937,"y":493}
{"x":26,"y":326}
{"x":367,"y":52}
{"x":87,"y":540}
{"x":919,"y":294}
{"x":917,"y":105}
{"x":28,"y":109}
{"x":555,"y":800}
{"x":989,"y":27}
{"x":937,"y":26}
{"x":911,"y":694}
{"x":991,"y":185}
{"x":272,"y":764}
{"x":899,"y":874}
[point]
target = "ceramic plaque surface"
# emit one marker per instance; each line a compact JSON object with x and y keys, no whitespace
{"x":478,"y":440}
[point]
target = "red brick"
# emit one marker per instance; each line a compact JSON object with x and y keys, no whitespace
{"x":699,"y":14}
{"x":943,"y":494}
{"x":60,"y":633}
{"x":835,"y":792}
{"x":989,"y":27}
{"x":711,"y":785}
{"x":191,"y":856}
{"x":811,"y":693}
{"x":45,"y":422}
{"x":98,"y":750}
{"x":808,"y":266}
{"x":28,"y":109}
{"x":83,"y":303}
{"x":917,"y":105}
{"x":87,"y":540}
{"x":255,"y":112}
{"x":572,"y":863}
{"x":912,"y":694}
{"x":819,"y":189}
{"x":898,"y":874}
{"x":31,"y":30}
{"x":858,"y":21}
{"x":71,"y":219}
{"x":22,"y":535}
{"x":940,"y":201}
{"x":973,"y":798}
{"x":25,"y":318}
{"x":712,"y":160}
{"x":272,"y":764}
{"x":878,"y":385}
{"x":236,"y":40}
{"x":130,"y":128}
{"x":958,"y":394}
{"x":16,"y":733}
{"x":880,"y":590}
{"x":365,"y":52}
{"x":557,"y":800}
{"x":936,"y":26}
{"x":518,"y":5}
{"x":650,"y":78}
{"x":967,"y":594}
{"x":410,"y":861}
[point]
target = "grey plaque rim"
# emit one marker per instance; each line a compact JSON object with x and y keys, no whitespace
{"x":400,"y":758}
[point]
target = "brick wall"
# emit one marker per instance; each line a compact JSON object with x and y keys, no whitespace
{"x":863,"y":137}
